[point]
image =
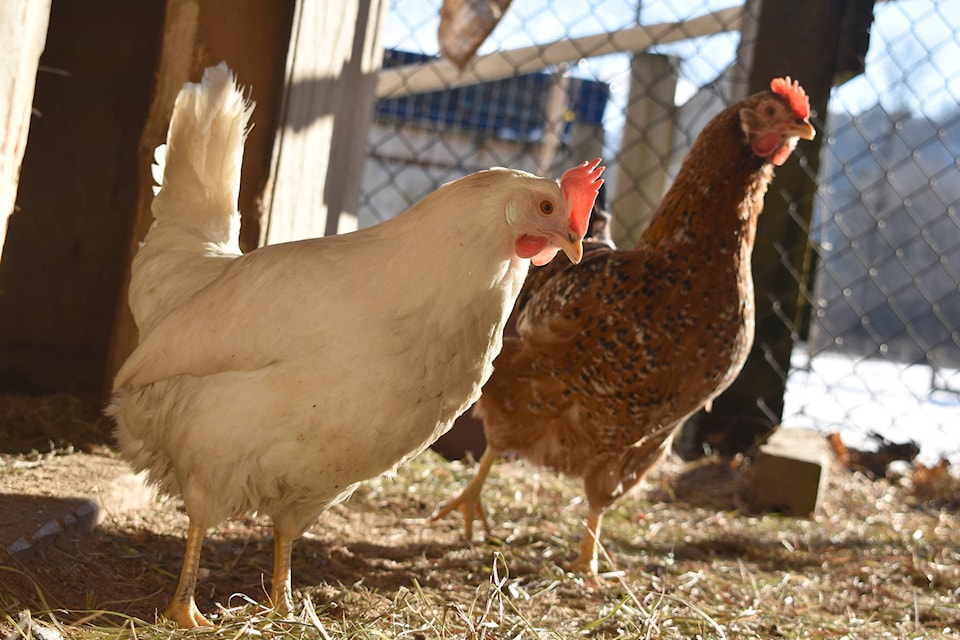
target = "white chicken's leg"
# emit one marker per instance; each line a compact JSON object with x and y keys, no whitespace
{"x":586,"y":560}
{"x":468,"y":502}
{"x":280,"y":588}
{"x":183,"y":608}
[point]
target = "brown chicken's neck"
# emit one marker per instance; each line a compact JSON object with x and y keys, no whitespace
{"x":718,"y":194}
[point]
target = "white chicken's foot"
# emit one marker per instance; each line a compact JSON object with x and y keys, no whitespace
{"x":182,"y":610}
{"x":468,"y":502}
{"x":281,"y":600}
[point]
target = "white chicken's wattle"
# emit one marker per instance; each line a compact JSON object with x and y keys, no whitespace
{"x":278,"y":380}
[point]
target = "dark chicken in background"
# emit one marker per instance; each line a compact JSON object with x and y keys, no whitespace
{"x":613,"y":355}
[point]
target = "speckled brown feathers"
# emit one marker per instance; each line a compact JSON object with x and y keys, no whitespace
{"x":616,"y":351}
{"x":613,"y":354}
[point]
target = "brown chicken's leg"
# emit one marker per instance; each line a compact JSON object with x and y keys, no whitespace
{"x":586,"y":561}
{"x":280,"y":589}
{"x":468,"y":502}
{"x":183,"y":608}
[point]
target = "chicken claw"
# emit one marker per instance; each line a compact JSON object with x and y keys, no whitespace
{"x":186,"y":615}
{"x":586,"y":561}
{"x":280,"y":599}
{"x":182,"y":610}
{"x":468,"y":502}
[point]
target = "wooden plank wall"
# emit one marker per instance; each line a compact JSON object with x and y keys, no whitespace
{"x":61,"y":267}
{"x":318,"y":160}
{"x":85,"y":184}
{"x":252,"y":38}
{"x":23,"y":31}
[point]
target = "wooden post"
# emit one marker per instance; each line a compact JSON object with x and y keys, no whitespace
{"x":179,"y":35}
{"x":441,"y":74}
{"x":647,"y":137}
{"x":311,"y":68}
{"x":800,"y":40}
{"x":23,"y":30}
{"x":555,"y":118}
{"x":65,"y":247}
{"x":335,"y":54}
{"x":251,"y":38}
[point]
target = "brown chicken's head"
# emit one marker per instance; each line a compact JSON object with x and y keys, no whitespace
{"x":548,"y":222}
{"x":774,"y":121}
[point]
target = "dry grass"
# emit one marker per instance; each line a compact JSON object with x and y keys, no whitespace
{"x":881,"y":562}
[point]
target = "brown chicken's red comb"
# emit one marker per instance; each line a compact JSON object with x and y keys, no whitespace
{"x":580,"y":187}
{"x":795,"y":95}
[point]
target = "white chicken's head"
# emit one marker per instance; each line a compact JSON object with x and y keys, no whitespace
{"x":554,"y":217}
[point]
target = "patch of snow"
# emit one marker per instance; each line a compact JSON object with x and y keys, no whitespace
{"x":857,"y":396}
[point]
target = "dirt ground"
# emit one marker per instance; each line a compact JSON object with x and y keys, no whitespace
{"x":880,"y":562}
{"x":130,"y":562}
{"x":376,"y":544}
{"x":56,"y":451}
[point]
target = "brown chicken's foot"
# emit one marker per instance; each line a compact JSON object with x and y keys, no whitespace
{"x":468,"y":502}
{"x":586,"y":561}
{"x":281,"y":600}
{"x":182,"y":610}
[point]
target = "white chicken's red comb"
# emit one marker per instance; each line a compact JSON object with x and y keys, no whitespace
{"x":795,"y":95}
{"x":580,"y":186}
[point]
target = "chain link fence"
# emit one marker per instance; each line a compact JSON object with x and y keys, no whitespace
{"x":634,"y":81}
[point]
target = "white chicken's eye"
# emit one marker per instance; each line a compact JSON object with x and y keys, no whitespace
{"x":546,"y":207}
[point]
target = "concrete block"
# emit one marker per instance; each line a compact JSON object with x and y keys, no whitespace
{"x":790,"y":472}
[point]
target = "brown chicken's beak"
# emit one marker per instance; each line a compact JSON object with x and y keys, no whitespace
{"x":803,"y":130}
{"x":571,"y":245}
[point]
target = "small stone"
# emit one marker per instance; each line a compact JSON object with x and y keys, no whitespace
{"x":789,"y":473}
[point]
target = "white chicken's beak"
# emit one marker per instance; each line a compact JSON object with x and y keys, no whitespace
{"x":571,"y":245}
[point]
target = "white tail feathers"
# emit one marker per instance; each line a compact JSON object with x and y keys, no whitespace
{"x":197,"y":225}
{"x":198,"y":170}
{"x":156,"y":169}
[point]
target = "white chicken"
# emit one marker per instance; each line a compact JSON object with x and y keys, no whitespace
{"x":278,"y":380}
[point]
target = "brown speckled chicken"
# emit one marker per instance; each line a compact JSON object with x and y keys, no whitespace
{"x":614,"y":354}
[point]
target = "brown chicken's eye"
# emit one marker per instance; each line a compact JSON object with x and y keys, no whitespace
{"x":546,"y":207}
{"x":770,"y":111}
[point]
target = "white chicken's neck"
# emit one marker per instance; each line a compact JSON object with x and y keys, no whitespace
{"x":470,"y":238}
{"x":453,"y":321}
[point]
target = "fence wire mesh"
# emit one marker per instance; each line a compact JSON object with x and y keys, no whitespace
{"x":634,"y":81}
